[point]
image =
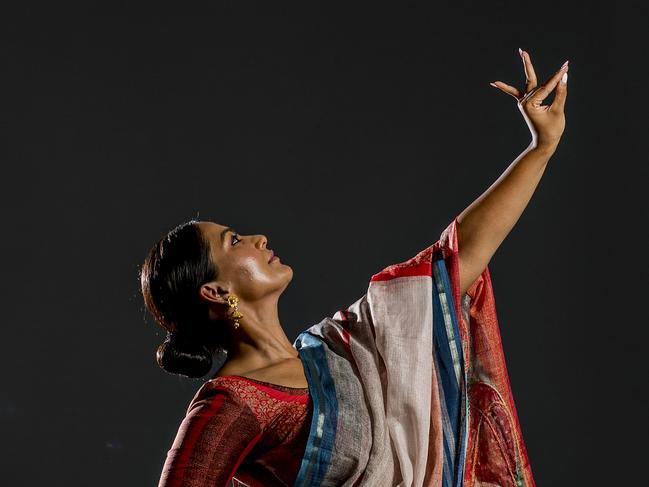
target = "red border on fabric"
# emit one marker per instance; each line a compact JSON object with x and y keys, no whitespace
{"x":419,"y":265}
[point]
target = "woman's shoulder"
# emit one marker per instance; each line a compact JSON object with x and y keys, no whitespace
{"x":287,"y":373}
{"x":250,"y":391}
{"x":214,"y":394}
{"x":246,"y":396}
{"x":264,"y":400}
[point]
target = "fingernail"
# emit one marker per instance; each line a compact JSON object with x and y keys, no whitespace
{"x":565,"y":64}
{"x":520,"y":51}
{"x":564,"y":78}
{"x":494,"y":85}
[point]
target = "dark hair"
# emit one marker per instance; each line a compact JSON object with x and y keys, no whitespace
{"x":171,"y":277}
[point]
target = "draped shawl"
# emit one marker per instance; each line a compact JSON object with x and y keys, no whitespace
{"x":409,"y":384}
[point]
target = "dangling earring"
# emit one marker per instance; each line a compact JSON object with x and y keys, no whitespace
{"x":233,"y":301}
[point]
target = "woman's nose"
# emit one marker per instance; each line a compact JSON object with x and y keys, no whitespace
{"x":262,"y":241}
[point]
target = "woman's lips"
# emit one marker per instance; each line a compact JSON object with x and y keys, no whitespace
{"x":272,"y":256}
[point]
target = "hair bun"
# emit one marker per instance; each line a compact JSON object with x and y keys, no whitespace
{"x":180,"y":354}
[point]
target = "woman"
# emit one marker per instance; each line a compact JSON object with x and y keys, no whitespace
{"x":358,"y":399}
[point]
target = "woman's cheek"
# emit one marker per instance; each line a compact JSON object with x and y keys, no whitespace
{"x":253,"y":277}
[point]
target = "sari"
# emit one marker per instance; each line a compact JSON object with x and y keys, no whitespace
{"x":409,"y":384}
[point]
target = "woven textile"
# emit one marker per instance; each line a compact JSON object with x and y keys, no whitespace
{"x":239,"y":431}
{"x":409,"y":384}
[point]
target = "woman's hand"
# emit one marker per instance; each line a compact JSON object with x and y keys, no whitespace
{"x":546,"y":122}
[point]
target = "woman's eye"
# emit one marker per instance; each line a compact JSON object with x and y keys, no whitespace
{"x":235,"y":236}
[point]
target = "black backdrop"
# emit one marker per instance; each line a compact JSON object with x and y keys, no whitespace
{"x":350,"y":135}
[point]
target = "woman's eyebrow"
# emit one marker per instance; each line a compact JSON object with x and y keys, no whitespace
{"x":224,"y":232}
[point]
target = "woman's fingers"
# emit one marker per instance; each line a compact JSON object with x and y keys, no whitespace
{"x":549,"y":85}
{"x":560,"y":95}
{"x":530,"y":78}
{"x":532,"y":93}
{"x":530,"y":75}
{"x":510,"y":90}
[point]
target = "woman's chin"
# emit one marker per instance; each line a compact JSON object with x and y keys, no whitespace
{"x":289,"y":273}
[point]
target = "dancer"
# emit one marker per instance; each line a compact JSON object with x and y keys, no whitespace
{"x":407,"y":386}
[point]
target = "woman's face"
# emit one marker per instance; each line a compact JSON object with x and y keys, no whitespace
{"x":244,"y":263}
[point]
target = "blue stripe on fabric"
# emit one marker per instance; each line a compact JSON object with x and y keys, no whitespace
{"x":449,"y":388}
{"x":462,"y":437}
{"x":447,"y":394}
{"x":449,"y":361}
{"x":446,"y":472}
{"x":322,"y":435}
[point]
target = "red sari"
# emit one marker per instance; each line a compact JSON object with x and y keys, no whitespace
{"x":241,"y":430}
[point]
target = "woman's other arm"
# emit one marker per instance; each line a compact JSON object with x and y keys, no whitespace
{"x":485,"y":223}
{"x":212,"y":441}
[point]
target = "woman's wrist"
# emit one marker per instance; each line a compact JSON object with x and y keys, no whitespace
{"x":544,"y":147}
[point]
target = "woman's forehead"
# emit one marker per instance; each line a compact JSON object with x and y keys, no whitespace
{"x":212,"y":230}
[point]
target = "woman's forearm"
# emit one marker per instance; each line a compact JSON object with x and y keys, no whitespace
{"x":485,"y":223}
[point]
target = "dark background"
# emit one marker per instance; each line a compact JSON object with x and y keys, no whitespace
{"x":350,"y":135}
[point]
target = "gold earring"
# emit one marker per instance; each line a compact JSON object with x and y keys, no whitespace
{"x":233,"y":301}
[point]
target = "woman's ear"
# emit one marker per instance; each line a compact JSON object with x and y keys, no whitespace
{"x":213,"y":293}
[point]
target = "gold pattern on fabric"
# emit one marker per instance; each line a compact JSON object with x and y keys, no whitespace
{"x":279,"y":412}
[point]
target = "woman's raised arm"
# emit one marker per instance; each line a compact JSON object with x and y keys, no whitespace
{"x":485,"y":223}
